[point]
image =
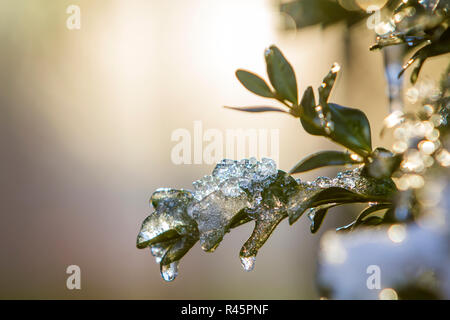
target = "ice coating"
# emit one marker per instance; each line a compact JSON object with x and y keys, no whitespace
{"x":248,"y":263}
{"x":268,"y":209}
{"x":169,"y":231}
{"x":237,"y":192}
{"x":170,"y":219}
{"x":222,"y":195}
{"x":214,"y":214}
{"x":323,"y":189}
{"x":215,"y":205}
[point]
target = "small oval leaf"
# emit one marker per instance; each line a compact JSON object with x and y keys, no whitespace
{"x":323,"y":159}
{"x":256,"y":109}
{"x":281,"y":75}
{"x":351,"y":128}
{"x":254,"y":83}
{"x":327,"y":84}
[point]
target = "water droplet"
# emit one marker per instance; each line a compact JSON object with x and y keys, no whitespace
{"x":248,"y":263}
{"x":169,"y":272}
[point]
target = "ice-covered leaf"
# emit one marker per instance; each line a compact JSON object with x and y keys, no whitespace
{"x":240,"y":191}
{"x":428,"y":51}
{"x":170,"y":220}
{"x":222,"y":196}
{"x":268,"y":209}
{"x":169,"y":231}
{"x":347,"y":187}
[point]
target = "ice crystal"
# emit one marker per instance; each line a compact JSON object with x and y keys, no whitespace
{"x":221,"y":196}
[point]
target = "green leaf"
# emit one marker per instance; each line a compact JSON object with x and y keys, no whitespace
{"x":327,"y":84}
{"x":326,"y":196}
{"x":257,"y":109}
{"x":254,"y":83}
{"x":323,"y":159}
{"x":281,"y":75}
{"x":372,"y":221}
{"x":308,"y":115}
{"x":351,"y":128}
{"x":366,"y":212}
{"x":346,"y":126}
{"x":317,"y":215}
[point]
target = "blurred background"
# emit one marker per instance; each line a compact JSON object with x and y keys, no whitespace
{"x":85,"y":135}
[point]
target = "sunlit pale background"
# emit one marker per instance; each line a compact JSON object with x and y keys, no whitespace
{"x":85,"y":127}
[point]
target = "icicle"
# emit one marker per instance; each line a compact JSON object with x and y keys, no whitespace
{"x":169,"y":272}
{"x":248,"y":263}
